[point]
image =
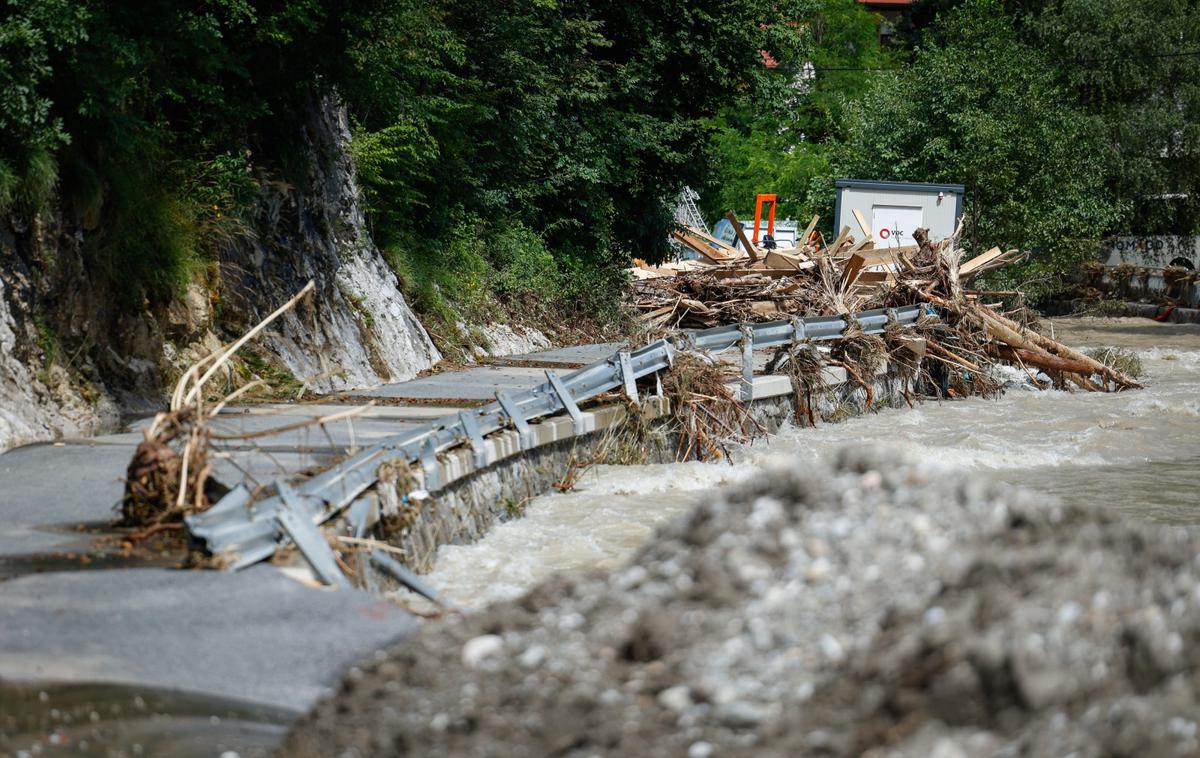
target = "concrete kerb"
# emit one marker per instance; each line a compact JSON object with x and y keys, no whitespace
{"x":473,"y":499}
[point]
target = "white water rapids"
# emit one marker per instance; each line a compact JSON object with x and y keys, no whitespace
{"x":1136,"y":451}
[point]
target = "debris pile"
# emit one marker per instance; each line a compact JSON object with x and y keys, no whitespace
{"x":732,"y":285}
{"x":169,"y":476}
{"x":1096,"y":282}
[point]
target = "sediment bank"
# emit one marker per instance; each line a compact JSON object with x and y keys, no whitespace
{"x":865,"y":606}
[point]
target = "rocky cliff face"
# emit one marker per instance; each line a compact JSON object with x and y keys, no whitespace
{"x":69,"y":358}
{"x":357,"y":330}
{"x":52,"y":321}
{"x":38,"y":403}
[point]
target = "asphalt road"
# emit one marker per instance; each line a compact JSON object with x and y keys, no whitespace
{"x":257,"y":635}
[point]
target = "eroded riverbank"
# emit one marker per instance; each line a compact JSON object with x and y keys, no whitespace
{"x":1136,"y":451}
{"x":873,"y":604}
{"x":874,"y":586}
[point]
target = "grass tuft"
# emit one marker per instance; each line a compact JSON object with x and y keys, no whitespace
{"x":1119,"y":359}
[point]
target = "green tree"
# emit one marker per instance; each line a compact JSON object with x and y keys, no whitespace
{"x":780,"y":139}
{"x":580,"y":120}
{"x":1136,"y":65}
{"x":981,"y":107}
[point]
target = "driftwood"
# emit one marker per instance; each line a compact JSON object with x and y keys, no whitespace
{"x":846,"y":276}
{"x":1043,"y":360}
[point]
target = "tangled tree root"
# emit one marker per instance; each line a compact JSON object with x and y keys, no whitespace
{"x":168,"y":477}
{"x":153,"y":494}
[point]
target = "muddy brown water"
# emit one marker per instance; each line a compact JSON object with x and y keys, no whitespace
{"x":1136,"y":451}
{"x":120,"y":721}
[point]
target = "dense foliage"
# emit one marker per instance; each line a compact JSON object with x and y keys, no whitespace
{"x":517,"y":153}
{"x":148,"y":117}
{"x":1135,"y":65}
{"x":980,"y":107}
{"x":568,"y":125}
{"x":784,"y":144}
{"x":1067,"y":120}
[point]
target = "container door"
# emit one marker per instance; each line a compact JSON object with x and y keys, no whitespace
{"x":893,"y":225}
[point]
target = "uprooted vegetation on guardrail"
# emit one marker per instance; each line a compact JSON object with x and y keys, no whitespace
{"x":925,"y":327}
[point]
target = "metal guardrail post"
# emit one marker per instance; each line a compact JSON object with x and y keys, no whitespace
{"x":513,"y":411}
{"x":747,"y":364}
{"x":299,"y":526}
{"x":799,"y":334}
{"x":471,"y":427}
{"x":402,"y":574}
{"x":568,"y":402}
{"x":429,"y":463}
{"x":627,"y":377}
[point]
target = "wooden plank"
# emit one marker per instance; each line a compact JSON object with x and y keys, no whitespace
{"x":833,"y":248}
{"x":808,"y":230}
{"x":698,"y":245}
{"x":741,"y":234}
{"x":875,"y":277}
{"x":882,"y":256}
{"x":862,"y":223}
{"x":764,"y":308}
{"x":773,"y":273}
{"x":792,"y":252}
{"x":648,"y":273}
{"x":979,"y":260}
{"x":702,"y":234}
{"x":777,"y":259}
{"x":851,"y":270}
{"x":861,"y":244}
{"x":914,"y":345}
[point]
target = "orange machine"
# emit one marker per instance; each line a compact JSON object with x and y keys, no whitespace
{"x":759,"y":200}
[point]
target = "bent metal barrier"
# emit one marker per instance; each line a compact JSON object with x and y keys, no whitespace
{"x":244,"y":531}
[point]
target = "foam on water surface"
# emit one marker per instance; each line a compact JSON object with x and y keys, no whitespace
{"x":1133,"y":450}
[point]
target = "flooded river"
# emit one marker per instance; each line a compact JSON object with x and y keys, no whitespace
{"x":1135,"y":451}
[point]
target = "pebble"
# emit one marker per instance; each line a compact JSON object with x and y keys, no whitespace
{"x":740,"y":714}
{"x":701,"y":749}
{"x":479,"y":649}
{"x":818,"y":570}
{"x":532,"y":657}
{"x":832,"y":649}
{"x":677,"y":698}
{"x":947,"y":748}
{"x":872,"y":480}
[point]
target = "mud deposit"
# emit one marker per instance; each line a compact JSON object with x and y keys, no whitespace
{"x":867,"y":605}
{"x":119,"y":721}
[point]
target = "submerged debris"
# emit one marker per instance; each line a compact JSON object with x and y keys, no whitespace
{"x":705,"y":413}
{"x":1119,"y":358}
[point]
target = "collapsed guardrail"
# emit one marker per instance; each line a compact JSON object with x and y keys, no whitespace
{"x":244,"y":531}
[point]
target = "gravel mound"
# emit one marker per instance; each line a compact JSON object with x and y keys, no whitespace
{"x":869,"y":608}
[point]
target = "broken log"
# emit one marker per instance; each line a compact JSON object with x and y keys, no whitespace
{"x":741,"y":235}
